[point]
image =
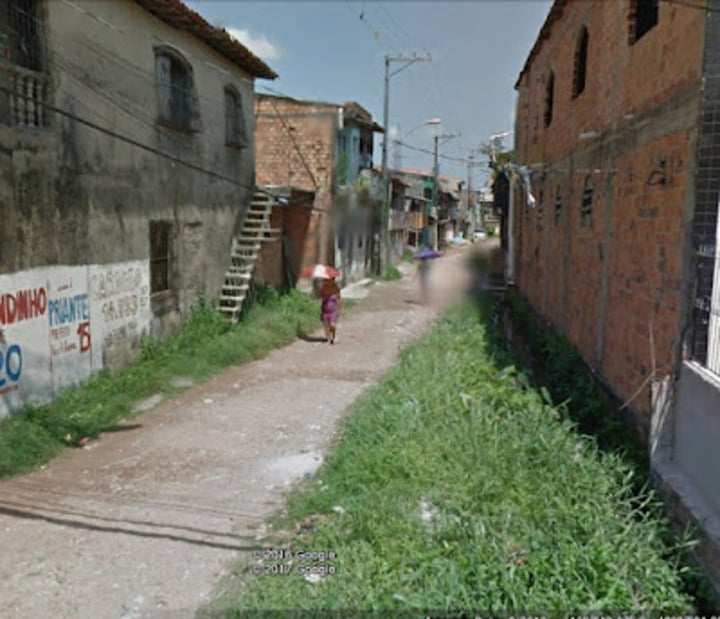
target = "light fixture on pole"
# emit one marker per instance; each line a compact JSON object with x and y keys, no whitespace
{"x":493,"y":143}
{"x":399,"y":140}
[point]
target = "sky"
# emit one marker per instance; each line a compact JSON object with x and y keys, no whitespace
{"x":334,"y":51}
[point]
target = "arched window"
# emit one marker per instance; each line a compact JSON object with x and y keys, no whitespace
{"x":235,"y":129}
{"x":586,"y":207}
{"x":643,"y":17}
{"x":549,"y":98}
{"x":581,"y":57}
{"x":177,"y":102}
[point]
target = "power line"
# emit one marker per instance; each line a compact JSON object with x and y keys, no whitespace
{"x":136,"y":143}
{"x":430,"y":152}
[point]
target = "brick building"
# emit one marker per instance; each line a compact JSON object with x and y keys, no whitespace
{"x":618,"y":122}
{"x":319,"y":147}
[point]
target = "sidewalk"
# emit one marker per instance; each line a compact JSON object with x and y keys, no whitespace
{"x":144,"y":522}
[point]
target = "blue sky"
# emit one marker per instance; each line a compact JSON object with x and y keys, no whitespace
{"x":333,"y":51}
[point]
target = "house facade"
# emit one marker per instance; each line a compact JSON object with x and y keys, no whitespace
{"x":433,"y":210}
{"x":322,"y":148}
{"x":126,"y":165}
{"x":616,"y":127}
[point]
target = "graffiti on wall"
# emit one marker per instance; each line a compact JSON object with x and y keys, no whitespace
{"x":57,"y":324}
{"x":121,"y":294}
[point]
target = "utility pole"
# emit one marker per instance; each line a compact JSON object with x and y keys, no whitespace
{"x":471,"y":156}
{"x":384,"y":219}
{"x":436,"y":173}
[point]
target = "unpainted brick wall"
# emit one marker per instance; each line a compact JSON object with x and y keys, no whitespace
{"x":296,"y":146}
{"x":608,"y":282}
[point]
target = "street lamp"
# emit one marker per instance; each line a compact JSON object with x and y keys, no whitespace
{"x":399,"y":140}
{"x":494,"y":137}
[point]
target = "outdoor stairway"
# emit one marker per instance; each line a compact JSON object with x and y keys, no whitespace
{"x":244,"y":253}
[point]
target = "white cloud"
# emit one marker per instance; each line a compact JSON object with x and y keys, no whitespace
{"x":258,"y":44}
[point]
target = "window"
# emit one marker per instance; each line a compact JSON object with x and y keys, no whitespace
{"x":586,"y":207}
{"x":160,"y":255}
{"x":549,"y":97}
{"x":558,"y":208}
{"x":20,"y":41}
{"x":581,"y":55}
{"x":176,"y":94}
{"x":235,"y":129}
{"x":643,"y":17}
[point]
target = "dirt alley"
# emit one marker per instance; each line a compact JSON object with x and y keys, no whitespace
{"x":144,"y":522}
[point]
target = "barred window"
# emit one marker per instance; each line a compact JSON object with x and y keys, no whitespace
{"x":586,"y":208}
{"x":160,"y":255}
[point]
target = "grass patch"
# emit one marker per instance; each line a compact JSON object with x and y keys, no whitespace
{"x":470,"y":494}
{"x":407,"y":255}
{"x":392,"y":273}
{"x":206,"y":344}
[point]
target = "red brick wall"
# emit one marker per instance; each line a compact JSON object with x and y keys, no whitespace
{"x":608,"y":283}
{"x":292,"y":222}
{"x":295,"y":145}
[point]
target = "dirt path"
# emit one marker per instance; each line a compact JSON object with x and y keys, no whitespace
{"x":144,"y":522}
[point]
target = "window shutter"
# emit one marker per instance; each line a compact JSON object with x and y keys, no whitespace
{"x":242,"y":137}
{"x":164,"y":86}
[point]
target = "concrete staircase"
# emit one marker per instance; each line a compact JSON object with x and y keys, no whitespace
{"x":244,"y":253}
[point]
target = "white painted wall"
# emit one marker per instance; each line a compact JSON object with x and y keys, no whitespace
{"x":697,"y":430}
{"x":59,"y":323}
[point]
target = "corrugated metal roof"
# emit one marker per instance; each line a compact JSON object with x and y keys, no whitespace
{"x":179,"y":16}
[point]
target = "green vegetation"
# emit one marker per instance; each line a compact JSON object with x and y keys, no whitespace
{"x":392,"y":273}
{"x":558,"y":367}
{"x":206,"y":344}
{"x":472,"y":494}
{"x":408,"y":255}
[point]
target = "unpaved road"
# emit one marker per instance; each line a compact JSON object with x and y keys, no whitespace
{"x":144,"y":522}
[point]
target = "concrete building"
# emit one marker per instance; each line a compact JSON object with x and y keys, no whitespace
{"x":323,"y":148}
{"x":440,"y":221}
{"x":617,"y":123}
{"x":126,"y":166}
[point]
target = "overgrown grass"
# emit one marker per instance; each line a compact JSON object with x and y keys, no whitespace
{"x":559,"y":368}
{"x":468,"y":493}
{"x":206,"y":344}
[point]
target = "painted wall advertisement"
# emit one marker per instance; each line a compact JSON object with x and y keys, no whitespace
{"x":58,"y":324}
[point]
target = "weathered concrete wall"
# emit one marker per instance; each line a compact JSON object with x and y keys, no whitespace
{"x":76,"y":195}
{"x":59,"y":324}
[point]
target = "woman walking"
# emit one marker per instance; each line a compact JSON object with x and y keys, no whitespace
{"x":330,"y":306}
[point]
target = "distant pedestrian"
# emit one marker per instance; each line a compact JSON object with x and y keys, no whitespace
{"x":330,"y":306}
{"x":423,"y":274}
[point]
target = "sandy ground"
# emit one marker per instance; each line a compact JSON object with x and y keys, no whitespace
{"x":144,"y":522}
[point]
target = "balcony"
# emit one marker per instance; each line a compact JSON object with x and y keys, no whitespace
{"x":23,"y":95}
